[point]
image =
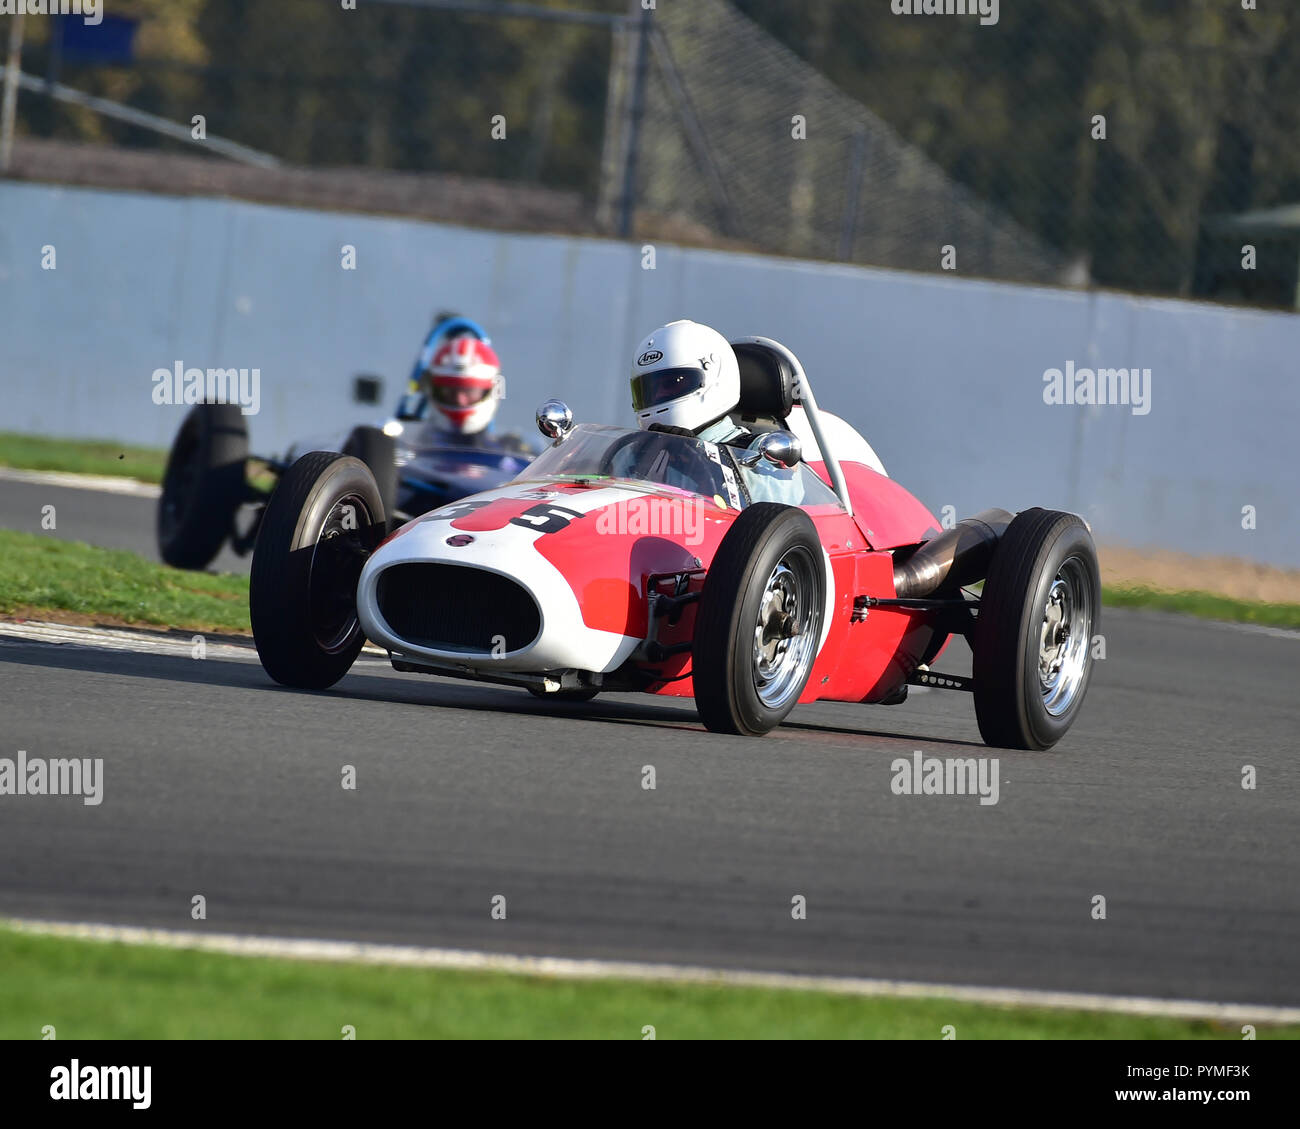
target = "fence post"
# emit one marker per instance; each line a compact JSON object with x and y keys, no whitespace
{"x":640,"y":28}
{"x":612,"y":155}
{"x":853,"y":193}
{"x":10,"y":108}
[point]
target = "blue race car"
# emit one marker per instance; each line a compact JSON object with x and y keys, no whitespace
{"x":439,"y":446}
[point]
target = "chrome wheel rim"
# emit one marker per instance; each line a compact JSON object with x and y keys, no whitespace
{"x":338,"y":554}
{"x":787,"y":628}
{"x":1064,"y":635}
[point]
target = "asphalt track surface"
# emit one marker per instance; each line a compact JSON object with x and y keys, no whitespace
{"x":111,"y":521}
{"x":218,"y":782}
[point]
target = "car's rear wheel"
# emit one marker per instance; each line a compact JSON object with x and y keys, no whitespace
{"x":759,"y":622}
{"x":203,"y":485}
{"x":322,"y":522}
{"x":1032,"y":644}
{"x":379,"y":452}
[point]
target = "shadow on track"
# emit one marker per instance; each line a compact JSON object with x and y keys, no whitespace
{"x":361,"y":685}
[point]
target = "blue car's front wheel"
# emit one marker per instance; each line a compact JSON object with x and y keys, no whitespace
{"x":203,"y":485}
{"x":379,"y":452}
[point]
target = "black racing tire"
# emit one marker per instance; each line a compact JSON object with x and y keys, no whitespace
{"x":322,"y":522}
{"x":736,"y":690}
{"x":562,"y":695}
{"x":1040,"y":609}
{"x":203,"y":485}
{"x":379,"y":452}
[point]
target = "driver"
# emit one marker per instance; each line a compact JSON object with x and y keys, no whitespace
{"x":686,"y":380}
{"x":462,"y":381}
{"x":464,"y":384}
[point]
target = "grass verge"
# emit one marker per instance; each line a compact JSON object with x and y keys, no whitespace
{"x":107,"y":990}
{"x":41,"y":576}
{"x":81,"y":456}
{"x":1206,"y":605}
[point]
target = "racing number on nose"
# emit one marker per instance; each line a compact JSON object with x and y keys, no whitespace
{"x":460,"y":509}
{"x":546,"y":518}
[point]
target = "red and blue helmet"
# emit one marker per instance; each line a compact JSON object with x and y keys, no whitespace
{"x":464,"y":383}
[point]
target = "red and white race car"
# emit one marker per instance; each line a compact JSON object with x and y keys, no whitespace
{"x":640,"y":560}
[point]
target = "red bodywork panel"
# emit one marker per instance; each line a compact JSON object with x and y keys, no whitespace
{"x":860,"y":661}
{"x":888,"y":514}
{"x":681,"y":535}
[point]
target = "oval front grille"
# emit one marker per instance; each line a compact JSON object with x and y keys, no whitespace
{"x":456,"y":608}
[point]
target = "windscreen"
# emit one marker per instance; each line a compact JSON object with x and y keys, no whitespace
{"x":594,"y":451}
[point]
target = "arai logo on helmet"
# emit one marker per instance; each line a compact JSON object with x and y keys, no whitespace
{"x":649,"y":357}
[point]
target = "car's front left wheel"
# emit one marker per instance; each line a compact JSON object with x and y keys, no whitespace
{"x":759,"y":622}
{"x":324,"y":519}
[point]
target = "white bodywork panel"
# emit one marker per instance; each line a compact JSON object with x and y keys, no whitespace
{"x":564,"y":642}
{"x":848,"y":444}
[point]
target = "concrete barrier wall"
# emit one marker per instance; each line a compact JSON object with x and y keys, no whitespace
{"x":943,"y":375}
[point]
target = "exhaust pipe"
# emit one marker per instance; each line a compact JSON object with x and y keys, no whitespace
{"x":958,"y":556}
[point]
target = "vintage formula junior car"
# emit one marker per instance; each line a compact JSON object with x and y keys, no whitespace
{"x":210,"y":499}
{"x":630,"y":560}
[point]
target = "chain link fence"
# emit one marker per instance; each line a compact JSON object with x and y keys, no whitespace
{"x":784,"y":160}
{"x":1137,"y":144}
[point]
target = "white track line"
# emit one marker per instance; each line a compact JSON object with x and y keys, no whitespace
{"x":102,"y":483}
{"x":132,"y":640}
{"x":565,"y":968}
{"x":119,"y":639}
{"x":1257,"y":629}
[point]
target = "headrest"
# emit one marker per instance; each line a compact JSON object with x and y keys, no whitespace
{"x":766,"y":381}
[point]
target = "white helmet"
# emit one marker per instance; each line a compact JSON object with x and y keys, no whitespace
{"x":684,"y":375}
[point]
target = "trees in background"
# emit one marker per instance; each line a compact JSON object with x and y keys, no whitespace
{"x":1200,"y":100}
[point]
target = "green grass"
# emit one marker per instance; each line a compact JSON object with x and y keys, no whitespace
{"x":99,"y":582}
{"x":81,"y":456}
{"x":40,"y":575}
{"x":99,"y":990}
{"x":1207,"y":605}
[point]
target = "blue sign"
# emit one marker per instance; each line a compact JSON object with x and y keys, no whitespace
{"x":110,"y":41}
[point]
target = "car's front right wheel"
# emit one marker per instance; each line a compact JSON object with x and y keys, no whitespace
{"x":324,"y":519}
